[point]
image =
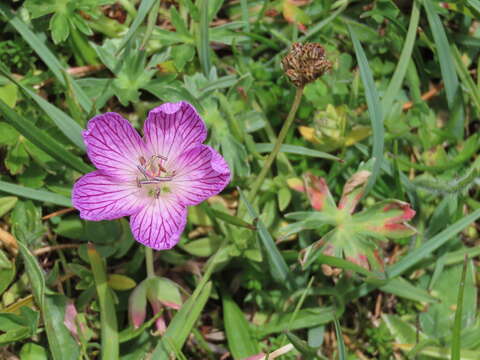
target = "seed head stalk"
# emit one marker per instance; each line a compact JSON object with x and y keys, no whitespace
{"x":278,"y":144}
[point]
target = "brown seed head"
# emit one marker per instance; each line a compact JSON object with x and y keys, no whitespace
{"x":305,"y":63}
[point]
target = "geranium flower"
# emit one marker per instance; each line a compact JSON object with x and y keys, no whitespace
{"x":153,"y":179}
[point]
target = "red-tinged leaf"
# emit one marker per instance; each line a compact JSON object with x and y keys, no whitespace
{"x":353,"y":191}
{"x":318,"y":193}
{"x":296,"y":184}
{"x":293,"y":14}
{"x":387,"y":219}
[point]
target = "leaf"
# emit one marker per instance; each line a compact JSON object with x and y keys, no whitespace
{"x":35,"y":274}
{"x":40,"y":195}
{"x":182,"y":324}
{"x":374,"y":110}
{"x":457,"y":326}
{"x":240,"y":340}
{"x":447,"y":67}
{"x":405,"y":57}
{"x":41,"y":139}
{"x":342,"y":353}
{"x":108,"y":317}
{"x":203,"y":43}
{"x":294,"y":149}
{"x":60,"y":27}
{"x":277,"y":265}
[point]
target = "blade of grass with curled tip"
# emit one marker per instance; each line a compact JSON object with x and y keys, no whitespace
{"x":402,"y":66}
{"x":457,"y":325}
{"x":374,"y":109}
{"x":41,"y":139}
{"x":38,"y":45}
{"x":40,"y":195}
{"x":447,"y":67}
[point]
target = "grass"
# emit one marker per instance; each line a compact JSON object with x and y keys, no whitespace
{"x":271,"y":267}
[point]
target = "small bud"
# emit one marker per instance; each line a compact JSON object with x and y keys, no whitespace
{"x":305,"y":63}
{"x":137,"y":305}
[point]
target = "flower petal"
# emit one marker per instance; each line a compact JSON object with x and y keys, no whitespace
{"x":200,"y":173}
{"x":172,"y":128}
{"x":99,"y":197}
{"x":159,"y":224}
{"x":113,"y":145}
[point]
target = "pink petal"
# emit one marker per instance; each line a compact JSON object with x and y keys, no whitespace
{"x":200,"y":173}
{"x":159,"y":224}
{"x":172,"y":128}
{"x":113,"y":145}
{"x":99,"y":197}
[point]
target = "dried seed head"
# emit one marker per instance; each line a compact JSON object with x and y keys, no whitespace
{"x":305,"y":63}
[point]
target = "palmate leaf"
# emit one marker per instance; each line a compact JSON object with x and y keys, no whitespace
{"x":354,"y":235}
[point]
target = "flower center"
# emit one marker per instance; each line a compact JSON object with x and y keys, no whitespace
{"x":153,"y":176}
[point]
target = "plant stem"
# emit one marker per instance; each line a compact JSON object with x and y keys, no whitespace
{"x":149,"y":262}
{"x":108,"y":317}
{"x":281,"y":138}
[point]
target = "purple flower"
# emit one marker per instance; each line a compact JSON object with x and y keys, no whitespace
{"x":153,"y":179}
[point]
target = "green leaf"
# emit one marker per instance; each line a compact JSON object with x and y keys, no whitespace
{"x":40,"y":47}
{"x":32,"y":351}
{"x":374,"y":110}
{"x":405,"y":57}
{"x":65,"y":123}
{"x":240,"y":340}
{"x":294,"y":149}
{"x":34,"y":272}
{"x":447,"y":67}
{"x":60,"y":27}
{"x":342,"y":353}
{"x":457,"y":326}
{"x":41,"y":139}
{"x":182,"y":324}
{"x":277,"y":265}
{"x":143,"y":10}
{"x":108,"y":317}
{"x":432,"y":244}
{"x":40,"y":195}
{"x":203,"y":43}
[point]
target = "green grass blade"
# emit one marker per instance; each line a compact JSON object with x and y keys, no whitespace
{"x":182,"y":323}
{"x":278,"y":267}
{"x":447,"y":67}
{"x":295,"y":149}
{"x":62,"y":345}
{"x":203,"y":41}
{"x":40,"y":195}
{"x":108,"y":317}
{"x":405,"y":56}
{"x":431,"y":245}
{"x":342,"y":352}
{"x":65,"y":123}
{"x":473,"y":90}
{"x":143,"y":10}
{"x":374,"y":109}
{"x":45,"y":54}
{"x":41,"y":139}
{"x":457,"y":325}
{"x":240,"y":340}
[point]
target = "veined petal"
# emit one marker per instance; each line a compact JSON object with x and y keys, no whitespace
{"x":99,"y":197}
{"x":113,"y":145}
{"x":159,"y":224}
{"x":200,"y":173}
{"x":172,"y":128}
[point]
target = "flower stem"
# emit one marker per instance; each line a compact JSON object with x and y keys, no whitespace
{"x":281,"y":138}
{"x":149,"y":262}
